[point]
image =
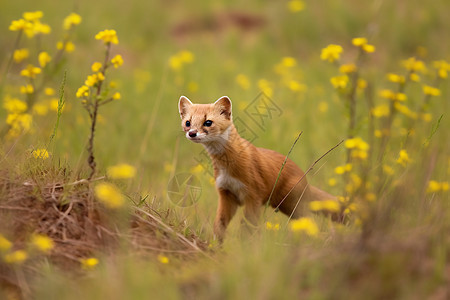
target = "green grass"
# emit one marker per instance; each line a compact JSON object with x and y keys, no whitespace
{"x":401,"y":250}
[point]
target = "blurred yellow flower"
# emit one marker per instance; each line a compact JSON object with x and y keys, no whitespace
{"x":339,"y":82}
{"x":121,"y":171}
{"x":271,"y":226}
{"x":96,"y":67}
{"x":325,"y":205}
{"x":40,"y":109}
{"x":342,"y":169}
{"x":93,"y":79}
{"x":49,"y":91}
{"x":16,"y":257}
{"x":435,"y":186}
{"x":347,"y":68}
{"x":414,"y":77}
{"x":42,"y":242}
{"x":359,"y":41}
{"x":288,"y":62}
{"x":109,"y":194}
{"x":381,"y":111}
{"x":387,"y":94}
{"x":107,"y":36}
{"x":65,"y":46}
{"x":30,"y":71}
{"x":89,"y":263}
{"x":117,"y":61}
{"x":243,"y":81}
{"x":368,"y":48}
{"x":40,"y":153}
{"x":20,"y":55}
{"x":27,"y":89}
{"x":116,"y":96}
{"x":33,"y":16}
{"x":392,"y":77}
{"x":361,"y":84}
{"x":5,"y":244}
{"x":19,"y":122}
{"x":403,"y":158}
{"x":431,"y":91}
{"x":71,"y":21}
{"x":21,"y":24}
{"x":306,"y":225}
{"x":266,"y":87}
{"x":405,"y":110}
{"x":323,"y":106}
{"x":357,"y":142}
{"x":83,"y":91}
{"x":197,"y":169}
{"x":44,"y":58}
{"x":186,"y":56}
{"x":296,"y":6}
{"x":414,"y":65}
{"x":331,"y":53}
{"x":442,"y":67}
{"x":163,"y":259}
{"x":177,"y":61}
{"x":332,"y":181}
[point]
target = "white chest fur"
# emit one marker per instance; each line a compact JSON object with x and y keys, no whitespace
{"x":225,"y":181}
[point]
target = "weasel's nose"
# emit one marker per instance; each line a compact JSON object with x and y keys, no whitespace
{"x":192,"y":133}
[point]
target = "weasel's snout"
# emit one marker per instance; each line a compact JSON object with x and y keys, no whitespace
{"x":192,"y":133}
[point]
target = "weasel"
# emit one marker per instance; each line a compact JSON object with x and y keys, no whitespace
{"x":244,"y":174}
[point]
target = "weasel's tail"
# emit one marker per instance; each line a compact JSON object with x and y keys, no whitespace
{"x":318,"y":194}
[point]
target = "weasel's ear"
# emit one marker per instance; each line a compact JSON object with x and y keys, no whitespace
{"x":223,"y":105}
{"x":183,"y":105}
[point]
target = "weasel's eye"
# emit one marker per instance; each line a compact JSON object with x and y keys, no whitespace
{"x":207,"y":123}
{"x":188,"y":124}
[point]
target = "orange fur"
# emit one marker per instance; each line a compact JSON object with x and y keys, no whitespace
{"x":245,"y":175}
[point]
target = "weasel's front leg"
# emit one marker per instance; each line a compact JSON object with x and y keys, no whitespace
{"x":228,"y":204}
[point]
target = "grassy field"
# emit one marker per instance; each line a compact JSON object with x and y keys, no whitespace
{"x":121,"y":234}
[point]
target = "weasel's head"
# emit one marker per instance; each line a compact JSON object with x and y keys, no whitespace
{"x":206,"y":123}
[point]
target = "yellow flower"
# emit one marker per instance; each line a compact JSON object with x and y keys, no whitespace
{"x":44,"y":58}
{"x":82,"y":92}
{"x":296,"y":86}
{"x":414,"y":77}
{"x":33,"y":16}
{"x":27,"y":89}
{"x":197,"y":169}
{"x":368,"y":48}
{"x":400,"y":97}
{"x":296,"y":6}
{"x":121,"y":171}
{"x":20,"y":55}
{"x":361,"y":84}
{"x":93,"y":79}
{"x":403,"y":157}
{"x":387,"y":94}
{"x":96,"y":67}
{"x":54,"y":104}
{"x":116,"y":96}
{"x":30,"y":71}
{"x":381,"y":111}
{"x":358,"y":143}
{"x":40,"y":153}
{"x":49,"y":91}
{"x":274,"y":227}
{"x":266,"y":87}
{"x":359,"y":41}
{"x":89,"y":263}
{"x":42,"y":242}
{"x":40,"y":109}
{"x":332,"y":181}
{"x":19,"y":122}
{"x":347,"y":68}
{"x":243,"y":81}
{"x":339,"y":82}
{"x":405,"y":110}
{"x":21,"y":24}
{"x":163,"y":259}
{"x":109,"y":194}
{"x":107,"y":36}
{"x":71,"y":21}
{"x":186,"y":56}
{"x":40,"y":28}
{"x":16,"y":257}
{"x":442,"y":67}
{"x":387,"y":169}
{"x":5,"y":244}
{"x":288,"y":62}
{"x":331,"y":53}
{"x":306,"y":225}
{"x":414,"y":65}
{"x":325,"y":205}
{"x":65,"y":46}
{"x":323,"y":106}
{"x":395,"y":78}
{"x":435,"y":186}
{"x":117,"y":61}
{"x":431,"y":91}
